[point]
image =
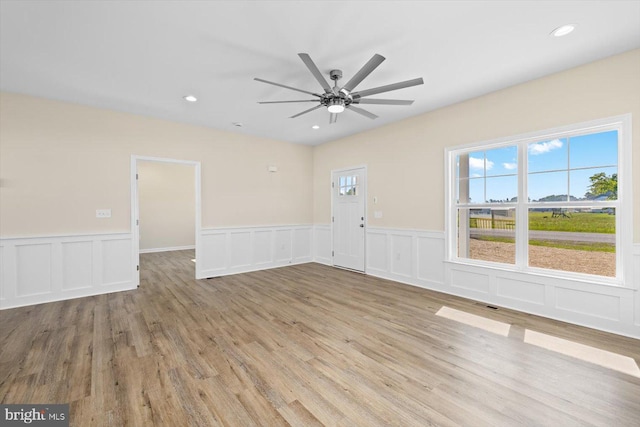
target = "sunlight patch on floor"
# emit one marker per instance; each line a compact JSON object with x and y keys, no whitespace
{"x":587,"y":353}
{"x":489,"y":325}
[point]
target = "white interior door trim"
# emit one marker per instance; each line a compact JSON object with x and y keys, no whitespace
{"x":135,"y":211}
{"x":365,"y":188}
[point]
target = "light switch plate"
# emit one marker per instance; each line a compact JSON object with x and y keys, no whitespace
{"x":377,"y":214}
{"x":103,"y":213}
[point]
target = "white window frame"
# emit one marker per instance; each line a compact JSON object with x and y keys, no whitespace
{"x":623,"y":204}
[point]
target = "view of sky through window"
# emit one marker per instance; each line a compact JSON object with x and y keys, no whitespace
{"x":558,"y":169}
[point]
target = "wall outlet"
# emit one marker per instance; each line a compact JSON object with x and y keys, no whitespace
{"x":103,"y":213}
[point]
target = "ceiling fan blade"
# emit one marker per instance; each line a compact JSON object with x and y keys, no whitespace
{"x":382,"y":101}
{"x":316,"y":73}
{"x":283,"y":102}
{"x":286,"y":87}
{"x":364,"y":72}
{"x":333,"y":117}
{"x":307,"y":111}
{"x":388,"y":88}
{"x":361,"y":111}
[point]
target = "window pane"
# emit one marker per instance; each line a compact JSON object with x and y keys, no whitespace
{"x":348,"y":181}
{"x":547,"y":186}
{"x":342,"y":181}
{"x":548,"y":155}
{"x":476,"y":190}
{"x":595,"y":184}
{"x":476,"y":164}
{"x":487,"y":234}
{"x":502,"y":161}
{"x":577,"y":240}
{"x":502,"y":189}
{"x":597,"y":149}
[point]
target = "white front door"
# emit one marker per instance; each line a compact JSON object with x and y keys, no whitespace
{"x":348,"y":194}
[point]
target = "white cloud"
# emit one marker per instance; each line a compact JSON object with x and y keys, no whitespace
{"x":510,"y":166}
{"x":544,"y":147}
{"x":476,"y":163}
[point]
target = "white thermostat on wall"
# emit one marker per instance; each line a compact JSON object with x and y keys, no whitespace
{"x":273,"y":169}
{"x":103,"y":213}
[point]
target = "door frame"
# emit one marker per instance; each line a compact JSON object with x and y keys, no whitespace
{"x":135,"y":211}
{"x":364,"y":174}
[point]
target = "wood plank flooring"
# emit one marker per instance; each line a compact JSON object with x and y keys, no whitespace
{"x":304,"y":345}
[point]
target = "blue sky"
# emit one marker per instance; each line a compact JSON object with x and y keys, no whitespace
{"x":557,"y":166}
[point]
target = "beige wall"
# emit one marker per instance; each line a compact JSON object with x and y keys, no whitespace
{"x":405,"y":160}
{"x":166,"y":200}
{"x":59,"y":162}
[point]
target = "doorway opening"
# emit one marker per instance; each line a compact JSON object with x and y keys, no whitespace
{"x":158,"y":221}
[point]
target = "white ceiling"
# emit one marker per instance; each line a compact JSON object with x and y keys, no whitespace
{"x":143,"y":56}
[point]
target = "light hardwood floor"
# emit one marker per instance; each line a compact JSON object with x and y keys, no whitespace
{"x":303,"y":345}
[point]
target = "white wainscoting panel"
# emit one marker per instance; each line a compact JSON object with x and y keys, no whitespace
{"x":240,"y":252}
{"x":589,"y":303}
{"x":322,"y":244}
{"x":600,"y":306}
{"x":241,"y":249}
{"x":377,"y":252}
{"x":214,"y":246}
{"x":408,"y":256}
{"x":521,"y":290}
{"x":302,"y":244}
{"x":402,"y":254}
{"x":262,"y":247}
{"x":116,"y":261}
{"x":33,"y":269}
{"x":472,"y":281}
{"x":36,"y":270}
{"x":417,"y":257}
{"x":284,"y":246}
{"x":77,"y":265}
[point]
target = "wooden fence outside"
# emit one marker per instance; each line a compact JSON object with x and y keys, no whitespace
{"x":493,"y":223}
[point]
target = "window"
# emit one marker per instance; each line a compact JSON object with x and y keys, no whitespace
{"x":348,"y":186}
{"x":551,"y":200}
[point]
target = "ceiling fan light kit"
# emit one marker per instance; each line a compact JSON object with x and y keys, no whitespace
{"x":336,"y":99}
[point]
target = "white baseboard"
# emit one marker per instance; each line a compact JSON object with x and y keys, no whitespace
{"x":175,"y":248}
{"x":36,"y":270}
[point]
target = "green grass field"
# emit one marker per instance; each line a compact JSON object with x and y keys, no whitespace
{"x":580,"y":246}
{"x":578,"y":222}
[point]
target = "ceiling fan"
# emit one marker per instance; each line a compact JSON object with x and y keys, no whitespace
{"x":337,"y":99}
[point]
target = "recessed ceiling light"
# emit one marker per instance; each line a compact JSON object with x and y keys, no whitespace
{"x":190,"y":98}
{"x":237,"y":124}
{"x":315,"y":127}
{"x":563,"y":31}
